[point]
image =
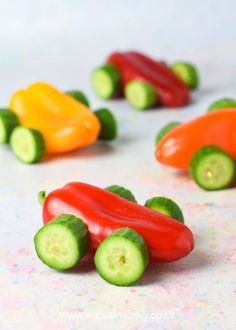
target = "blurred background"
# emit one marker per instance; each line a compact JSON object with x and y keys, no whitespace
{"x":61,"y":41}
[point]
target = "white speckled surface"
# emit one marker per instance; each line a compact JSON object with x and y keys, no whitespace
{"x":198,"y":292}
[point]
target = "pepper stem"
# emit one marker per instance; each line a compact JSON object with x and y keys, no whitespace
{"x":41,"y":196}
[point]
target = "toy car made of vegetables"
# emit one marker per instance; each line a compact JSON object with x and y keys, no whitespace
{"x":121,"y":234}
{"x":144,"y":81}
{"x":205,"y":145}
{"x":42,"y":119}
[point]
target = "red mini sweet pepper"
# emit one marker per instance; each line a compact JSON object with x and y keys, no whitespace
{"x":171,"y":91}
{"x":103,"y":212}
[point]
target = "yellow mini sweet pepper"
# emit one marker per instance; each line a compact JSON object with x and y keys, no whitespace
{"x":65,"y":123}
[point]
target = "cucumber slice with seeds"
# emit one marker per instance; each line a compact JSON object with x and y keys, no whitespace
{"x":222,"y":104}
{"x":78,"y":96}
{"x":212,"y":168}
{"x":105,"y":81}
{"x":165,"y":129}
{"x":8,"y":121}
{"x":108,"y":124}
{"x":122,"y":192}
{"x":187,"y":73}
{"x":62,"y":242}
{"x":166,"y":206}
{"x":27,"y":144}
{"x":140,"y":95}
{"x":122,"y":257}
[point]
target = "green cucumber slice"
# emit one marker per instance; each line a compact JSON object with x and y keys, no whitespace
{"x":62,"y":242}
{"x":122,"y":192}
{"x":41,"y":197}
{"x":222,"y":104}
{"x":187,"y":73}
{"x":105,"y":81}
{"x":166,"y":206}
{"x":212,"y":168}
{"x":140,"y":95}
{"x":122,"y":257}
{"x":108,"y":124}
{"x":78,"y":96}
{"x":8,"y":121}
{"x":27,"y":144}
{"x":165,"y":129}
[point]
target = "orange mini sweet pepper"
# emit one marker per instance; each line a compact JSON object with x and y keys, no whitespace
{"x":65,"y":123}
{"x":214,"y":128}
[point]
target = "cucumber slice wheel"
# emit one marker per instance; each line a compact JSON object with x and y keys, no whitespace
{"x":27,"y":144}
{"x":187,"y":73}
{"x":165,"y":129}
{"x":212,"y":168}
{"x":108,"y":124}
{"x":105,"y":81}
{"x":140,"y":95}
{"x":166,"y":206}
{"x":61,"y":243}
{"x":8,"y":121}
{"x":78,"y":96}
{"x":122,"y":192}
{"x":122,"y":257}
{"x":222,"y":104}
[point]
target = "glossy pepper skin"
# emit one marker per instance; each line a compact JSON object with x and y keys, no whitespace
{"x":103,"y":212}
{"x":65,"y":123}
{"x":171,"y":91}
{"x":213,"y":128}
